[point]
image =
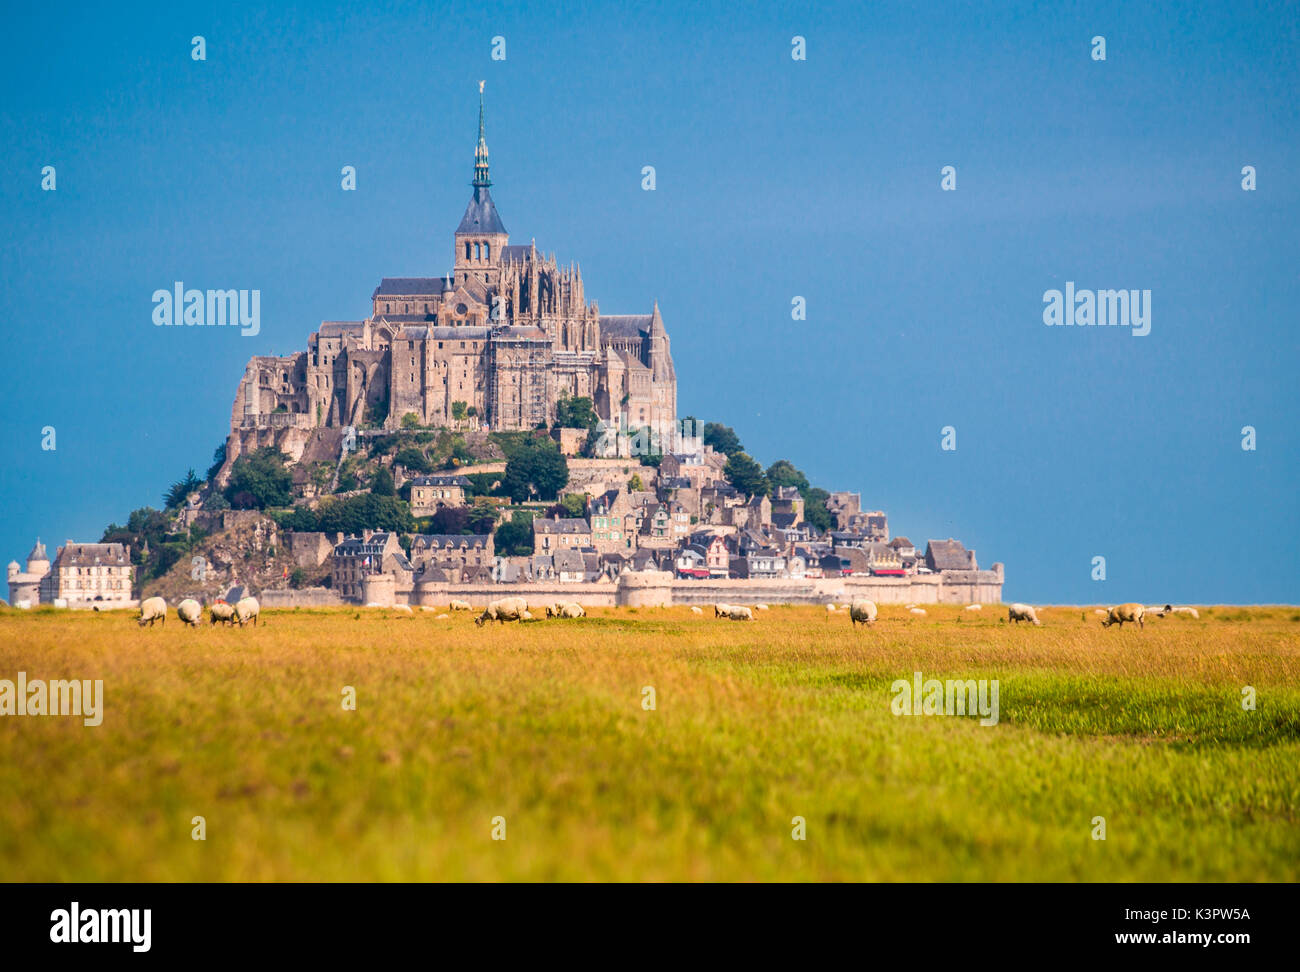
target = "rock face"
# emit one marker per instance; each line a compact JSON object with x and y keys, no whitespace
{"x":246,"y":548}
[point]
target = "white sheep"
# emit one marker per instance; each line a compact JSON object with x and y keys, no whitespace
{"x":1191,"y":611}
{"x":919,"y":612}
{"x":760,"y":607}
{"x":739,"y":612}
{"x":190,"y":612}
{"x":222,"y":612}
{"x":696,"y":610}
{"x":247,"y":609}
{"x":504,"y":609}
{"x":974,"y":607}
{"x":721,"y":610}
{"x":152,"y":609}
{"x":571,"y":610}
{"x":461,"y":606}
{"x":1125,"y":612}
{"x":863,"y":612}
{"x":1022,"y":612}
{"x":830,"y":608}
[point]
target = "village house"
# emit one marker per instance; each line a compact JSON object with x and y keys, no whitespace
{"x":430,"y":493}
{"x":665,"y":525}
{"x":356,"y":558}
{"x":552,"y":535}
{"x":949,"y":554}
{"x":453,"y":552}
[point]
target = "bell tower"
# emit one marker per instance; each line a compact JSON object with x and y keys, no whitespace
{"x":481,"y":235}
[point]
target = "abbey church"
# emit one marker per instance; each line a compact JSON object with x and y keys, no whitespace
{"x":503,"y":338}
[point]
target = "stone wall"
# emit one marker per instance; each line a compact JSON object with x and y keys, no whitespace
{"x":306,"y":597}
{"x":659,"y":588}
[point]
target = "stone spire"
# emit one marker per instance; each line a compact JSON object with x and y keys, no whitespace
{"x":481,"y":180}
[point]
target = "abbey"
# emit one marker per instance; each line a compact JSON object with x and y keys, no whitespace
{"x":502,"y":338}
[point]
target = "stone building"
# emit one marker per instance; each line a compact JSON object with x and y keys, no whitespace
{"x":82,"y":575}
{"x":497,"y":341}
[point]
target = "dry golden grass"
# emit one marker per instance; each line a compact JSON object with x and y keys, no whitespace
{"x":756,"y":723}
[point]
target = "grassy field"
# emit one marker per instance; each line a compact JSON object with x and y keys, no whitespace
{"x":755,"y":724}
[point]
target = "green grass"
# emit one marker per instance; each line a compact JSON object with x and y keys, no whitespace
{"x":755,"y":724}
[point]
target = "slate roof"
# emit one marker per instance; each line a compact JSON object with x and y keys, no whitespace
{"x":481,"y":214}
{"x":448,"y":541}
{"x":625,"y":325}
{"x":566,"y":525}
{"x":948,"y":554}
{"x":411,"y":287}
{"x":517,"y":253}
{"x":450,"y":479}
{"x":91,"y":555}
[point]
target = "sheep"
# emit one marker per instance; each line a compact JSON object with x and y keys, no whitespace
{"x":527,"y":616}
{"x":442,"y":617}
{"x":1125,"y":612}
{"x":738,"y":612}
{"x":190,"y":611}
{"x":1191,"y":611}
{"x":404,"y":608}
{"x":863,"y":612}
{"x":919,"y":612}
{"x":460,"y":606}
{"x":573,"y":610}
{"x":247,"y":609}
{"x":974,"y":607}
{"x":1022,"y":612}
{"x":152,"y":609}
{"x":502,"y":610}
{"x":830,"y":608}
{"x":222,"y":612}
{"x":696,"y":610}
{"x":760,"y":607}
{"x":721,"y":610}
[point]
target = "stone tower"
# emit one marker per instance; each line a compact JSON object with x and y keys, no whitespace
{"x":481,"y":236}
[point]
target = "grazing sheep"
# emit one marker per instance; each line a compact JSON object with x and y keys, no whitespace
{"x":222,"y":612}
{"x":442,"y":617}
{"x":830,"y":608}
{"x":919,"y":612}
{"x":527,"y":616}
{"x":738,"y":612}
{"x":502,"y":610}
{"x":190,"y":612}
{"x":1022,"y":612}
{"x":461,"y":606}
{"x":863,"y":612}
{"x":1191,"y":611}
{"x":247,"y":609}
{"x":404,"y":608}
{"x":760,"y":607}
{"x":721,"y":610}
{"x":1125,"y":612}
{"x":696,"y":610}
{"x":974,"y":607}
{"x":152,"y":609}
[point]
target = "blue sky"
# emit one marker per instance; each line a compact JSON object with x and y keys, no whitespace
{"x":775,"y":178}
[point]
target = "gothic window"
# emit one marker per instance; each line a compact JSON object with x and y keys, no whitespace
{"x":466,"y":251}
{"x":487,"y":251}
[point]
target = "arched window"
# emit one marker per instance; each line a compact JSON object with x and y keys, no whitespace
{"x":466,"y":251}
{"x":487,"y":251}
{"x":476,"y":251}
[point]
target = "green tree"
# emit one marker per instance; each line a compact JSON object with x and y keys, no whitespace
{"x":381,"y":484}
{"x":218,"y":460}
{"x":410,"y":421}
{"x":576,"y":413}
{"x":515,"y":539}
{"x":414,"y":459}
{"x":482,"y":517}
{"x":722,"y":438}
{"x":180,"y":490}
{"x":259,"y":480}
{"x":783,"y":473}
{"x":459,"y":411}
{"x":634,"y":485}
{"x":814,"y":509}
{"x":536,"y":469}
{"x":746,"y":475}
